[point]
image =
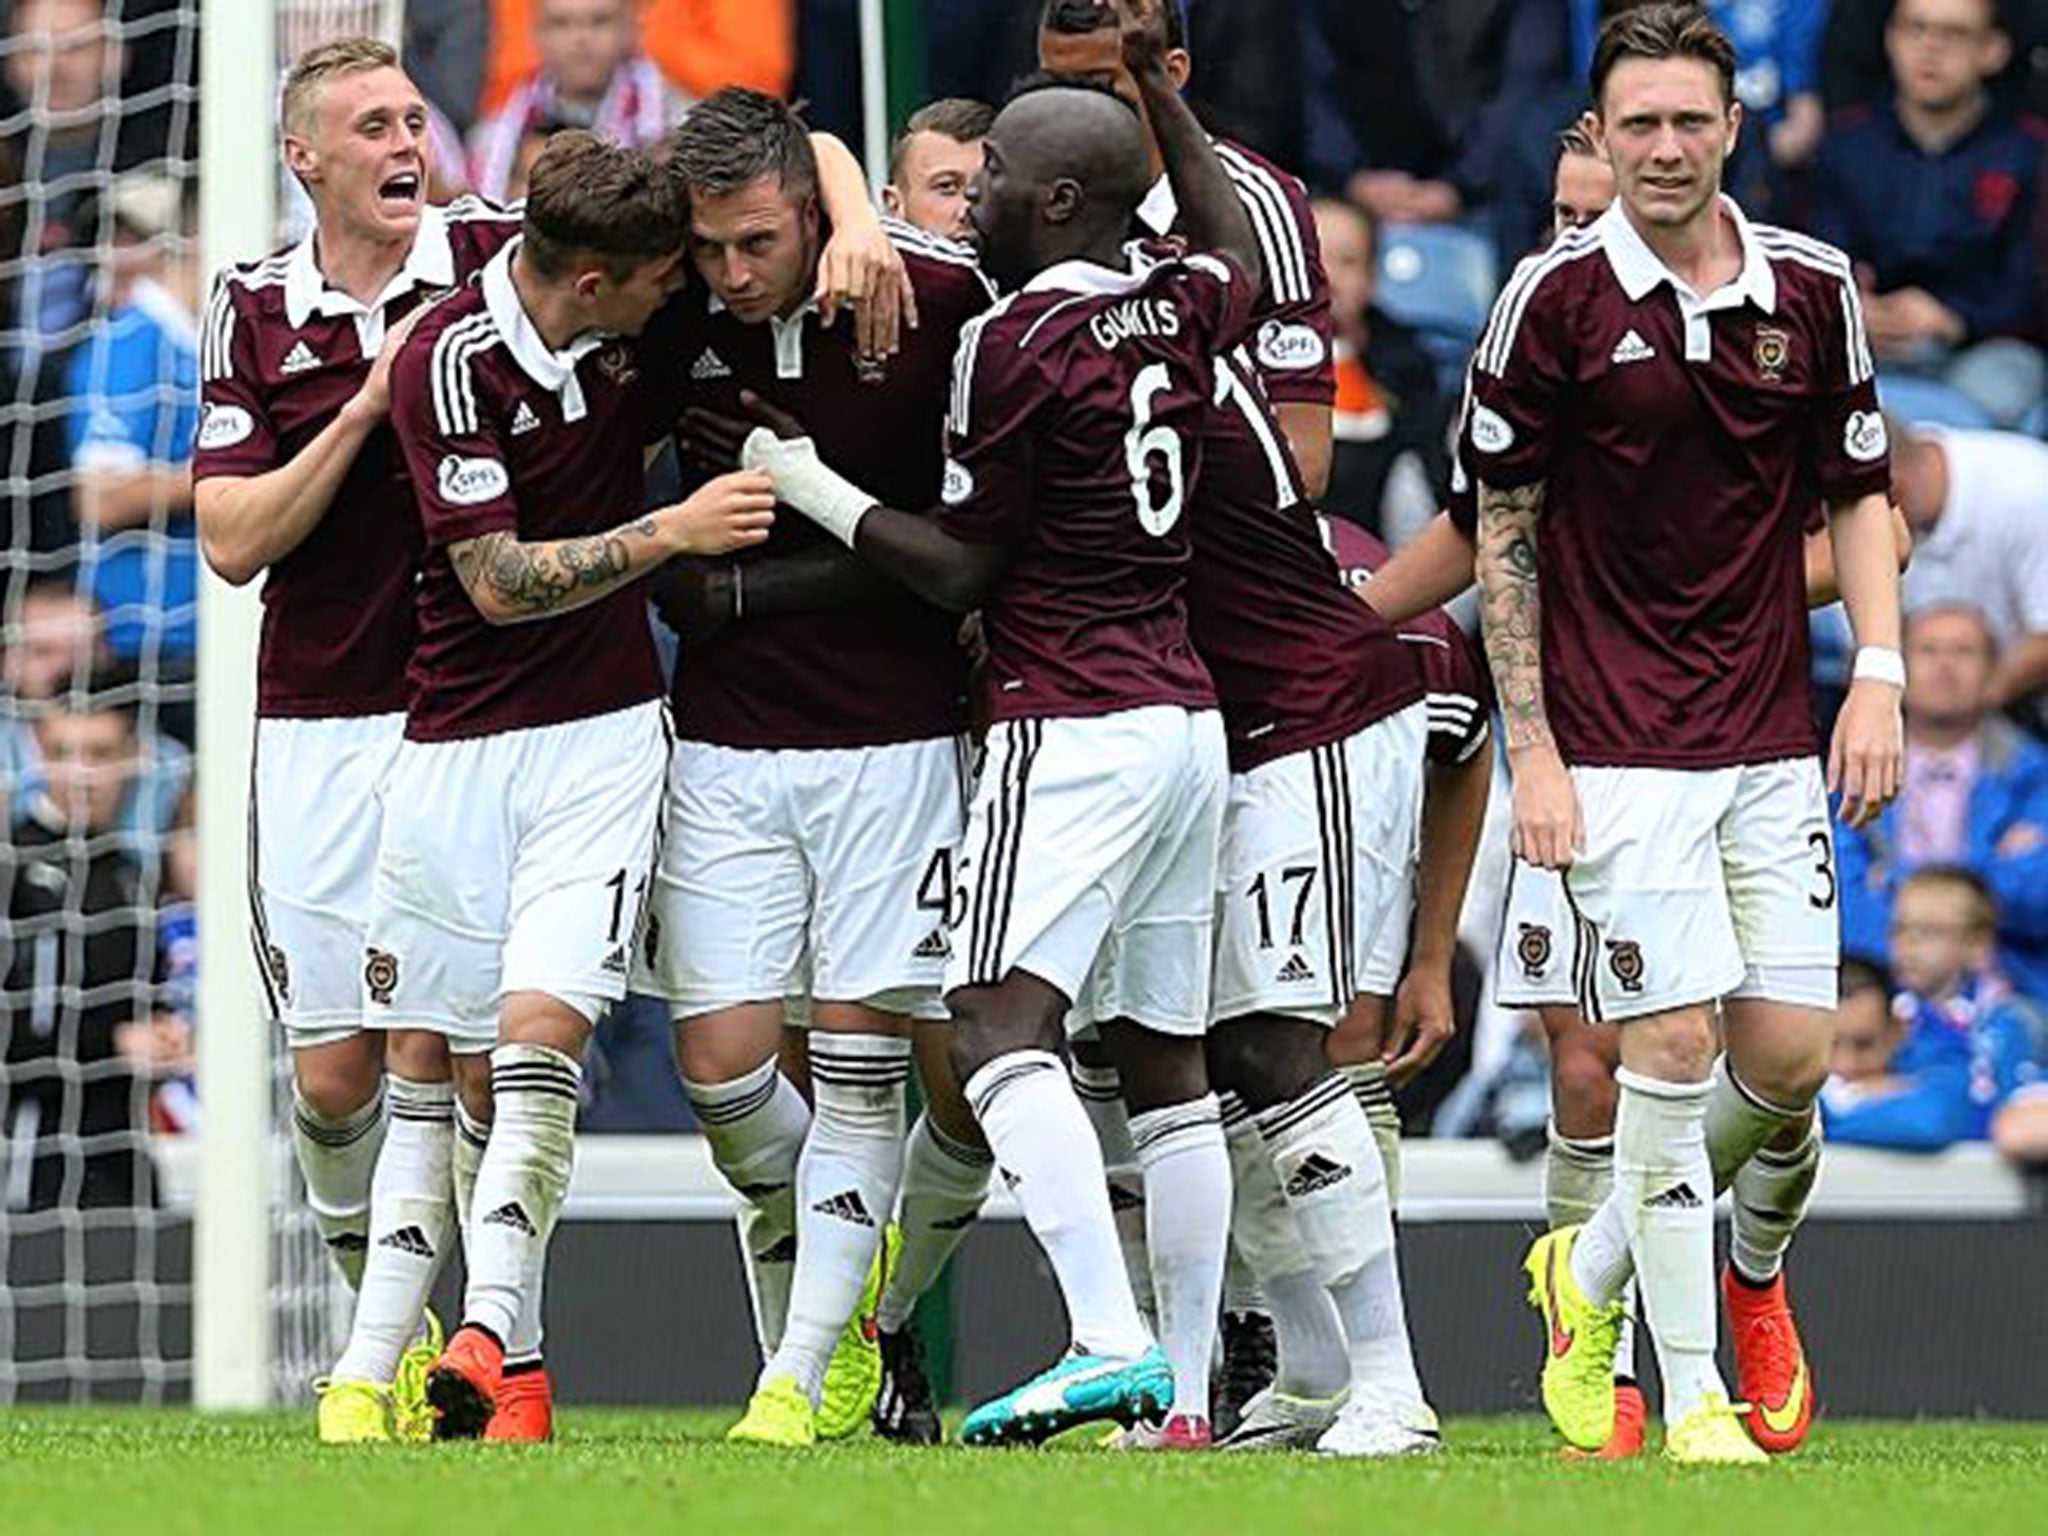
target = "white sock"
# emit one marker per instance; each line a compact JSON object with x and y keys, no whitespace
{"x":1243,"y":1293}
{"x":1739,"y":1121}
{"x":1329,"y":1169}
{"x":471,"y":1137}
{"x":846,"y":1183}
{"x":1577,"y":1175}
{"x":1375,"y":1095}
{"x":1048,"y":1153}
{"x":945,"y":1183}
{"x":1101,"y":1093}
{"x":412,"y":1227}
{"x":1663,"y":1197}
{"x":756,"y":1126}
{"x":338,"y":1159}
{"x":522,"y":1181}
{"x":1314,"y":1360}
{"x":1770,"y":1194}
{"x":1187,"y":1226}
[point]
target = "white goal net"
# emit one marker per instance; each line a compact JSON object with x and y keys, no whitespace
{"x":101,"y":736}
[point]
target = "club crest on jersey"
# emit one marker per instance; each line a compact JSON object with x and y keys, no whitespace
{"x":471,"y":482}
{"x":1532,"y":949}
{"x":380,"y":975}
{"x":1490,"y":430}
{"x":1284,"y":346}
{"x":223,"y":426}
{"x":1863,"y":437}
{"x":616,"y":363}
{"x":1625,"y":959}
{"x":1773,"y":348}
{"x":957,"y":484}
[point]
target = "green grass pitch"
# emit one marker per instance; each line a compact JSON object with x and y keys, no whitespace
{"x":107,"y":1473}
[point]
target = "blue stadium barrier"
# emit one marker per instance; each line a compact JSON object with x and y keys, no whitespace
{"x":1917,"y":399}
{"x":1441,"y":279}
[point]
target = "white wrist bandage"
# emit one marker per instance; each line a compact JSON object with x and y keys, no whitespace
{"x":805,"y":482}
{"x":1881,"y":664}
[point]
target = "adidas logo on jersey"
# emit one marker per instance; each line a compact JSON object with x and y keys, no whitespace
{"x":847,"y":1206}
{"x":934,"y":946}
{"x":409,"y":1240}
{"x":1316,"y":1172}
{"x":1679,"y":1197}
{"x":511,"y":1214}
{"x":299,"y":359}
{"x":523,"y":420}
{"x":1296,"y":969}
{"x":1632,"y":349}
{"x":709,"y":365}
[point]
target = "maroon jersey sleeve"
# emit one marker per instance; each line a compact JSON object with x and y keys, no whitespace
{"x":1292,"y":332}
{"x":236,"y":433}
{"x":1849,"y":444}
{"x":449,"y":432}
{"x":1519,"y":374}
{"x":1460,"y":697}
{"x":987,"y":490}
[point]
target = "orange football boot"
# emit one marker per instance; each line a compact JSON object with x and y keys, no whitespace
{"x":1771,"y":1373}
{"x":526,"y":1406}
{"x":464,"y":1384}
{"x":1630,"y":1414}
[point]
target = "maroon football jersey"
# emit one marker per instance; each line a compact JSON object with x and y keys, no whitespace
{"x":883,"y":672}
{"x":1298,"y":661}
{"x":1460,"y":693}
{"x":1078,"y":424}
{"x":1292,"y":332}
{"x":1683,"y":443}
{"x":499,"y":432}
{"x":280,"y":354}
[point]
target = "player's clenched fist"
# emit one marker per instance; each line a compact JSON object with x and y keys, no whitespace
{"x":731,"y":512}
{"x":1548,"y":828}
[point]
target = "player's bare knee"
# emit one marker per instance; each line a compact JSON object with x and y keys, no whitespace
{"x":540,"y":1018}
{"x":1266,"y":1059}
{"x":337,"y":1079}
{"x":417,"y":1055}
{"x":1361,"y":1035}
{"x":1019,"y":1014}
{"x":1676,"y":1047}
{"x":473,"y":1086}
{"x":728,"y":1044}
{"x":1583,"y":1092}
{"x":1780,"y":1052}
{"x":1156,"y":1070}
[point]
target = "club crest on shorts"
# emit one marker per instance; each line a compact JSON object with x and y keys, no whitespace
{"x":280,"y":970}
{"x":1773,"y":347}
{"x":380,"y":975}
{"x":1532,"y":949}
{"x":1625,"y":959}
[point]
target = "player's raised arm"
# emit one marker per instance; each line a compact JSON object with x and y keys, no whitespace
{"x":860,"y":266}
{"x":247,"y":523}
{"x":1211,"y":212}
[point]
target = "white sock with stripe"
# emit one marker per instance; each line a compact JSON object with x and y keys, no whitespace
{"x":1314,"y":1359}
{"x":521,"y":1182}
{"x":1049,"y":1157}
{"x":1101,"y":1093}
{"x":1375,"y":1095}
{"x":1329,"y":1170}
{"x":1187,"y":1225}
{"x":846,"y":1183}
{"x":1663,"y":1199}
{"x":338,"y":1160}
{"x":1577,"y":1175}
{"x":412,"y":1227}
{"x":945,"y":1183}
{"x":755,"y":1126}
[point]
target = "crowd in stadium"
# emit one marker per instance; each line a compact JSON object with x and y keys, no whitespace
{"x":1900,"y":130}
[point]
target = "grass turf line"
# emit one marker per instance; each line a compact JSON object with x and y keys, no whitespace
{"x":84,"y":1472}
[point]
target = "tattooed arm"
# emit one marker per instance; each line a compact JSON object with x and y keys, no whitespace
{"x":512,"y":581}
{"x":1548,"y":830}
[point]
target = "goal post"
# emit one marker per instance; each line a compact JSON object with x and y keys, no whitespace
{"x":231,"y":1294}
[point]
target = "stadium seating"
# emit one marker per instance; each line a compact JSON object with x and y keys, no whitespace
{"x":1441,"y":279}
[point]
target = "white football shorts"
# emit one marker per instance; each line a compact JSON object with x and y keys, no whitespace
{"x":517,"y":862}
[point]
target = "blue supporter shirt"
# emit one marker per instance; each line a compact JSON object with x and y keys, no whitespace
{"x":133,"y":388}
{"x":1962,"y":1057}
{"x":1959,"y":223}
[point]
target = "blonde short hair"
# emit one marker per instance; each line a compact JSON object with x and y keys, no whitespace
{"x":328,"y":61}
